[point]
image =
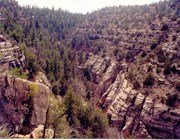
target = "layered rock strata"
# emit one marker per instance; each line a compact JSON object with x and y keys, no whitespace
{"x":11,"y":55}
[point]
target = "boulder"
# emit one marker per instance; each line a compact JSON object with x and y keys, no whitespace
{"x":37,"y":133}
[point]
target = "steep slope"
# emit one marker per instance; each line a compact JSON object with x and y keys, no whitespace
{"x":134,"y":66}
{"x":130,"y":108}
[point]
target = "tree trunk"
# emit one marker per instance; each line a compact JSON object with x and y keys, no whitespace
{"x":45,"y":124}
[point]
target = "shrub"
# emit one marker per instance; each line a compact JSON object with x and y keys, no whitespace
{"x":87,"y":74}
{"x":171,"y":99}
{"x":98,"y":122}
{"x":56,"y":118}
{"x":177,"y":85}
{"x":167,"y":70}
{"x":25,"y":130}
{"x":158,"y":70}
{"x":95,"y":120}
{"x":161,"y":57}
{"x":103,"y":55}
{"x":1,"y":55}
{"x":33,"y":89}
{"x":149,"y":80}
{"x":14,"y":34}
{"x":115,"y":52}
{"x":17,"y":72}
{"x":136,"y":85}
{"x":164,"y":27}
{"x":143,"y":54}
{"x":130,"y":75}
{"x":4,"y":133}
{"x":73,"y":108}
{"x":55,"y":89}
{"x":173,"y":69}
{"x":153,"y":46}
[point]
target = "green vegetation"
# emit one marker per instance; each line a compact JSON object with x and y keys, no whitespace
{"x":161,"y":57}
{"x":80,"y":115}
{"x":73,"y":108}
{"x":40,"y":36}
{"x":130,"y":75}
{"x":136,"y":85}
{"x":33,"y":89}
{"x":171,"y":99}
{"x":1,"y":55}
{"x":4,"y":132}
{"x":177,"y":85}
{"x":149,"y":80}
{"x":87,"y":74}
{"x":164,"y":27}
{"x":75,"y":114}
{"x":56,"y":118}
{"x":115,"y":52}
{"x":32,"y":65}
{"x":17,"y":72}
{"x":153,"y":46}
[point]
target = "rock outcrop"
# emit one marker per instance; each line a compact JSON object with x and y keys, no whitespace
{"x":130,"y":109}
{"x":42,"y":79}
{"x":23,"y":104}
{"x":104,"y":72}
{"x":36,"y":133}
{"x":138,"y":113}
{"x":10,"y":55}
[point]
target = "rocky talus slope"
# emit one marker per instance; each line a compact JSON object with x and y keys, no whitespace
{"x":10,"y":55}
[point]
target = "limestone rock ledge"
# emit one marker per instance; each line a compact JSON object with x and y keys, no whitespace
{"x":11,"y":55}
{"x":138,"y":114}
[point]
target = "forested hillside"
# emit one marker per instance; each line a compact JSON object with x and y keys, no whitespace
{"x":113,"y":73}
{"x":40,"y":32}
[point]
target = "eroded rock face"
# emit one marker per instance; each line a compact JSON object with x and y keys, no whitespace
{"x":138,"y":113}
{"x":130,"y":109}
{"x":104,"y":71}
{"x":10,"y":55}
{"x":23,"y":104}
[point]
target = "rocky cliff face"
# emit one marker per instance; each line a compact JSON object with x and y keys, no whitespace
{"x":136,"y":112}
{"x":23,"y":104}
{"x":103,"y":71}
{"x":10,"y":55}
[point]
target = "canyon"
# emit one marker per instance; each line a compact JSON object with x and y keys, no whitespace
{"x":121,"y":62}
